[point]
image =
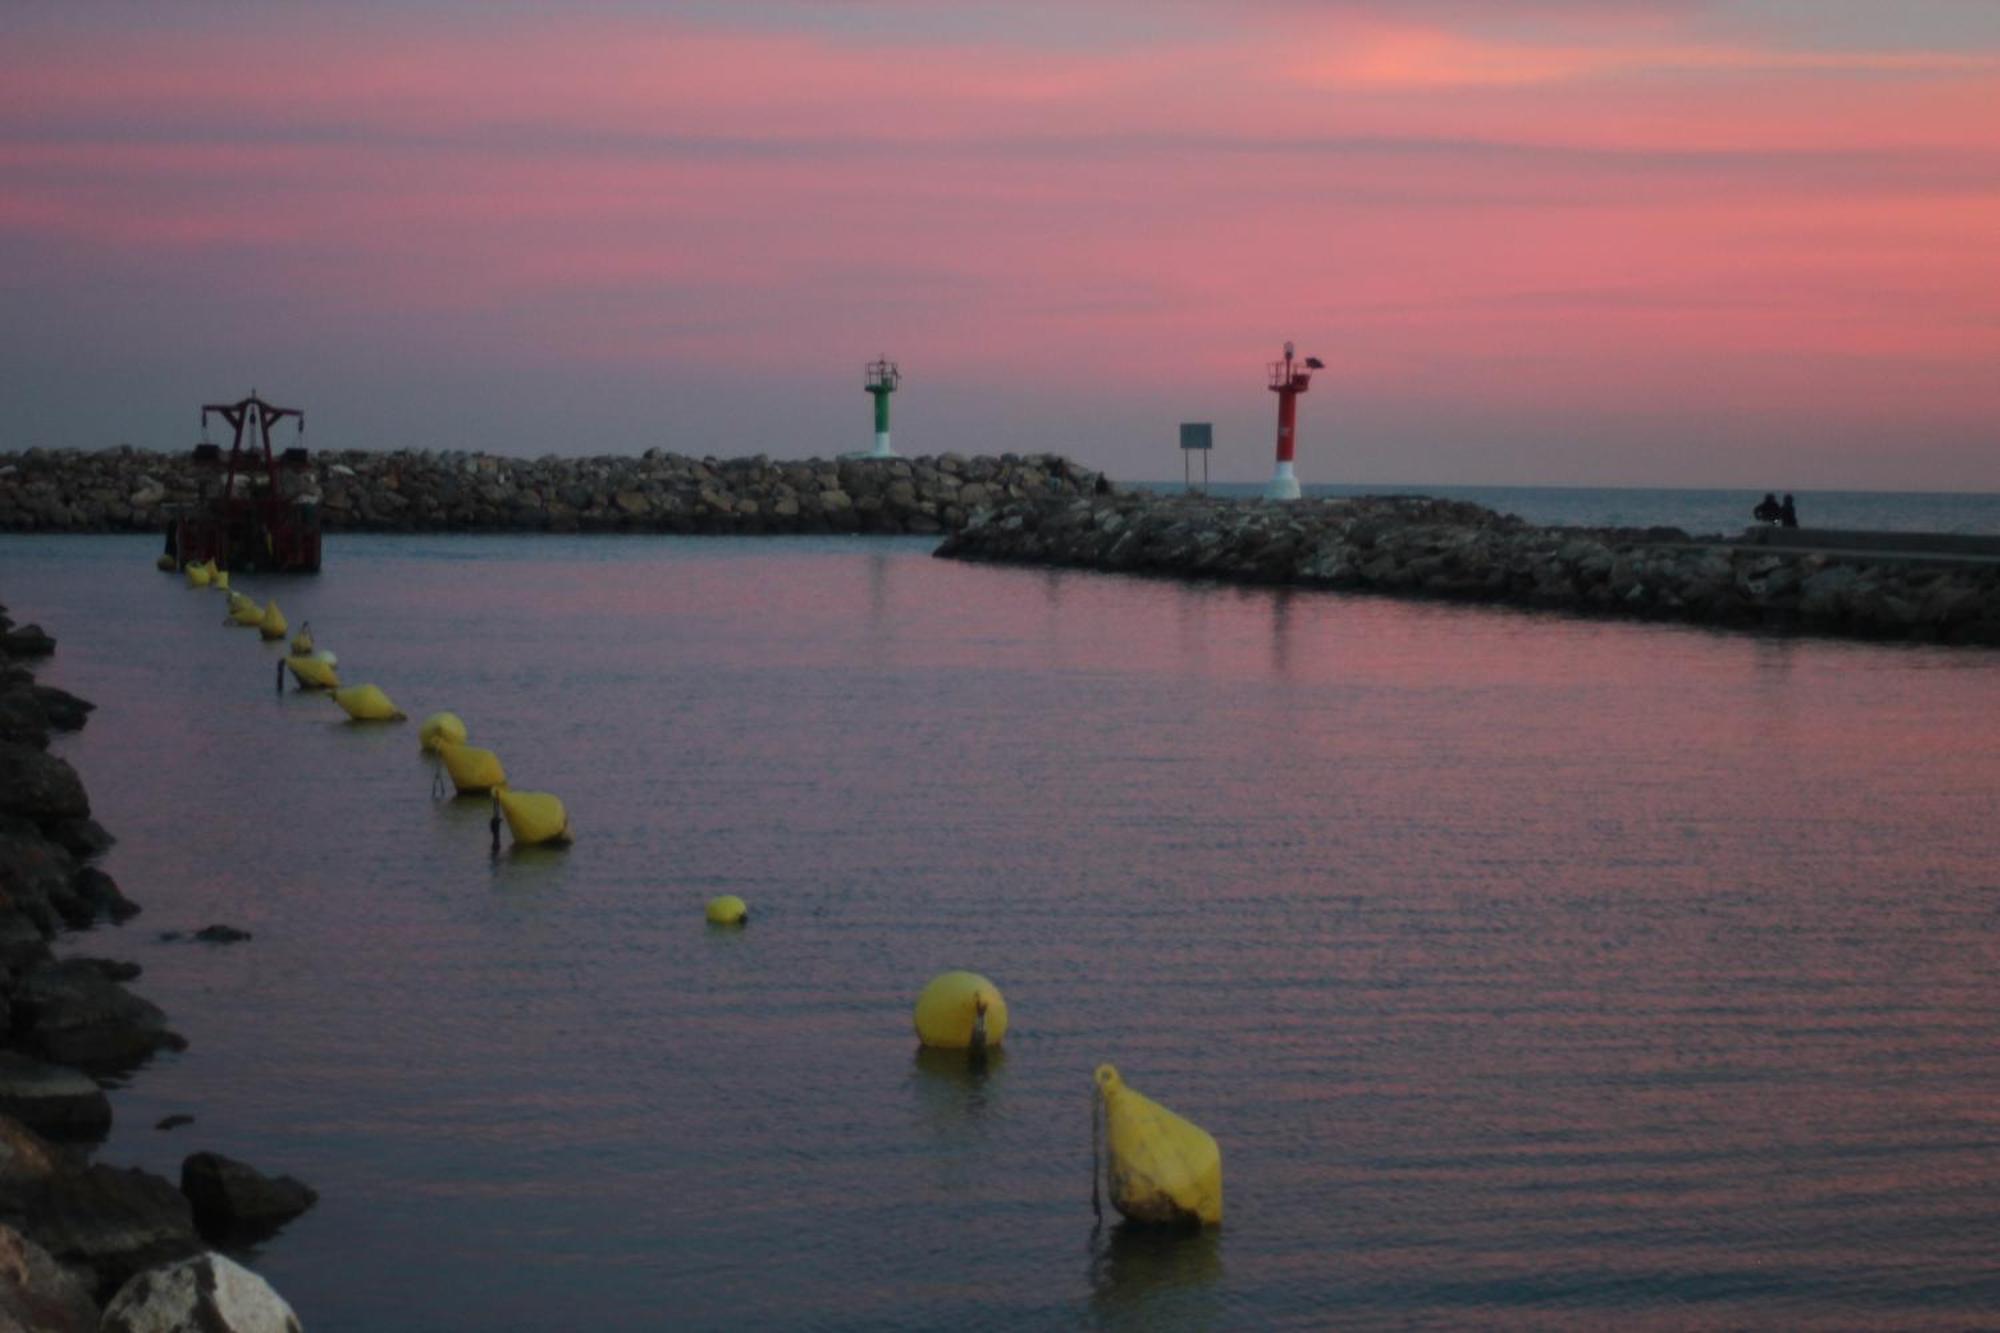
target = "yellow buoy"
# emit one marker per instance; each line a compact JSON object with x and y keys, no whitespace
{"x":219,"y":577}
{"x":302,"y":642}
{"x":728,"y":910}
{"x":440,"y":730}
{"x":165,"y":564}
{"x":1162,"y":1169}
{"x":313,"y":673}
{"x":367,"y":703}
{"x":273,"y":625}
{"x":472,"y":769}
{"x":244,"y":611}
{"x":197,"y":576}
{"x":533,"y":816}
{"x":324,"y":655}
{"x":961,"y":1009}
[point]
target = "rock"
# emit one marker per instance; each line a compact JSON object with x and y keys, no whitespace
{"x":27,"y":1161}
{"x":204,"y":1294}
{"x":39,"y":1295}
{"x":52,"y":1099}
{"x":82,"y":837}
{"x":70,"y":1013}
{"x":64,"y":710}
{"x":27,"y":641}
{"x":39,"y":786}
{"x":37,"y":877}
{"x":221,"y":934}
{"x":111,"y":969}
{"x":173,"y":1121}
{"x":23,"y":721}
{"x":235,"y":1201}
{"x":98,"y":895}
{"x":113,"y":1222}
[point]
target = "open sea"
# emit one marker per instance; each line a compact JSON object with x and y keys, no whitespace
{"x":1532,"y":972}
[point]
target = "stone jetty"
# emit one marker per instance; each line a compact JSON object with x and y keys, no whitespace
{"x":1416,"y":546}
{"x":130,"y":490}
{"x":74,"y":1232}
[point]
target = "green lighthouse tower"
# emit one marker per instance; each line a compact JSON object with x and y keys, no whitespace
{"x":883,"y":380}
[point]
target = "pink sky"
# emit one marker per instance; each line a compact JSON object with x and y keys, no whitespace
{"x":1648,"y":242}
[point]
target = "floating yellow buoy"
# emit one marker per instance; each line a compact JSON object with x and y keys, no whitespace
{"x":302,"y":642}
{"x":961,"y":1009}
{"x":728,"y":910}
{"x":273,"y":625}
{"x":165,"y":564}
{"x":244,"y":611}
{"x":1162,"y":1169}
{"x":472,"y":769}
{"x":440,"y":730}
{"x":532,"y":816}
{"x":367,"y":703}
{"x":313,"y":673}
{"x":197,"y":576}
{"x":324,"y":655}
{"x":219,"y":577}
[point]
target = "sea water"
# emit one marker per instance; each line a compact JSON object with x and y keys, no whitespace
{"x":1531,"y":971}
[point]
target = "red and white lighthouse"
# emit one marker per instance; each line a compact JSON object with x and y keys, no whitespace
{"x":1289,"y":379}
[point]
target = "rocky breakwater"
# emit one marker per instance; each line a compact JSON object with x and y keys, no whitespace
{"x":125,"y":490}
{"x":1415,"y":546}
{"x":74,"y":1232}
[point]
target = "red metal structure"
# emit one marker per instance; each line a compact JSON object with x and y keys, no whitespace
{"x":253,"y":514}
{"x":1288,"y":381}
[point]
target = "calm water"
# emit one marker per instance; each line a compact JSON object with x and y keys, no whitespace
{"x":1694,"y":511}
{"x":1531,"y":972}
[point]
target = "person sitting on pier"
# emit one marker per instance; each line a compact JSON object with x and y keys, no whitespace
{"x":1788,"y":513}
{"x":1768,"y":509}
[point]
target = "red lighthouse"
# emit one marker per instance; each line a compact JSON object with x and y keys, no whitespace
{"x":1289,"y":379}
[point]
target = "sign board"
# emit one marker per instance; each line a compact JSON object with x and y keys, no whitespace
{"x":1197,"y":435}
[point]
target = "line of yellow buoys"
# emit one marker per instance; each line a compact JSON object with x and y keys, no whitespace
{"x":1159,"y":1168}
{"x":534,"y":818}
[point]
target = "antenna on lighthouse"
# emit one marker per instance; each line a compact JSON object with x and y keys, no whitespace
{"x":883,"y":379}
{"x":1288,"y":381}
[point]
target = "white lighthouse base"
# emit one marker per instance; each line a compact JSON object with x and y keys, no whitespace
{"x":881,"y":449}
{"x":1284,"y":484}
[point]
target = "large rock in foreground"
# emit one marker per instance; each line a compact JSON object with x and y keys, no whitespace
{"x":1416,"y":546}
{"x":205,"y":1294}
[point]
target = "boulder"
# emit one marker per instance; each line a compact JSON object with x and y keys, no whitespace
{"x":27,"y":641}
{"x":52,"y":1099}
{"x":206,"y":1293}
{"x":70,"y":1013}
{"x":221,"y":934}
{"x":98,"y":895}
{"x":39,"y":1295}
{"x":234,"y":1201}
{"x":27,"y":1162}
{"x":39,"y":786}
{"x":37,"y":878}
{"x":81,"y":837}
{"x":115,"y":1223}
{"x":64,"y":710}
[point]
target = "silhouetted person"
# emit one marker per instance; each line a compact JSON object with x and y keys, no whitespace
{"x":1768,"y":509}
{"x":1788,"y":514}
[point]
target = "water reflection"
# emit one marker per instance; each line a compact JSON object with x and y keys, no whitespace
{"x":957,"y":1088}
{"x":1133,"y":1270}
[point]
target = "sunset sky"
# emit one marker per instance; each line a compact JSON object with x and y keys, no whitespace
{"x":1593,"y":242}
